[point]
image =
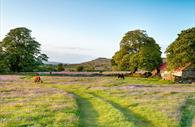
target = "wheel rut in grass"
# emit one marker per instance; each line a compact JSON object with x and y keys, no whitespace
{"x":96,"y":112}
{"x":135,"y":119}
{"x":188,"y":112}
{"x":87,"y":114}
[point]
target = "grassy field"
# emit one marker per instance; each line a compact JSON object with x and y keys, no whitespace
{"x":95,"y":102}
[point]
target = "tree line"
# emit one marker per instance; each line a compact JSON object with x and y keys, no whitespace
{"x":138,"y":51}
{"x":20,"y":52}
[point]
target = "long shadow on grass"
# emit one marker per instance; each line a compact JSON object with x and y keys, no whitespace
{"x":87,"y":114}
{"x":136,"y":119}
{"x":188,"y":112}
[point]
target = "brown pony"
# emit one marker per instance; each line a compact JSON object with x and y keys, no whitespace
{"x":37,"y":79}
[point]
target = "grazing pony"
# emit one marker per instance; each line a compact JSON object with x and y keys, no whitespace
{"x":37,"y":79}
{"x":121,"y":76}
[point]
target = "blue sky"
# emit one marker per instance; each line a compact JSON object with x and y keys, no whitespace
{"x":72,"y":31}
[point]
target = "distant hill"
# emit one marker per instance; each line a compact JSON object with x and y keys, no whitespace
{"x":52,"y":63}
{"x":99,"y":64}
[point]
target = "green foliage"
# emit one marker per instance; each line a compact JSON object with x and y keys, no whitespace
{"x":124,"y":62}
{"x":46,"y":68}
{"x":182,"y":50}
{"x":20,"y":51}
{"x":80,"y":68}
{"x":3,"y":66}
{"x":137,"y":51}
{"x":88,"y":67}
{"x":60,"y":67}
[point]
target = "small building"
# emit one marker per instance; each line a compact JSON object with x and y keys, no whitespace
{"x":182,"y":74}
{"x":165,"y":74}
{"x":186,"y":73}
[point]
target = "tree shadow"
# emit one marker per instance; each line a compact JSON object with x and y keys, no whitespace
{"x":87,"y":114}
{"x":188,"y":112}
{"x":136,"y":119}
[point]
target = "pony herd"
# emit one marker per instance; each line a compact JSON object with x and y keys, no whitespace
{"x":37,"y":78}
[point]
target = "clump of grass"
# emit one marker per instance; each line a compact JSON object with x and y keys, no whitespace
{"x":188,"y":112}
{"x":150,"y":81}
{"x":193,"y":122}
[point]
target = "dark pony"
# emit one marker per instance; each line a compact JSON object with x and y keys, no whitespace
{"x":121,"y":76}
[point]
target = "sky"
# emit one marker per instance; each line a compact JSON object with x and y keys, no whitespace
{"x":74,"y":31}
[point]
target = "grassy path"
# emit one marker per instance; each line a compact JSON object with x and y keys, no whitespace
{"x":91,"y":107}
{"x":140,"y":115}
{"x":136,"y":119}
{"x":95,"y":111}
{"x":94,"y":103}
{"x":188,"y":112}
{"x":88,"y":115}
{"x":120,"y":108}
{"x":103,"y":110}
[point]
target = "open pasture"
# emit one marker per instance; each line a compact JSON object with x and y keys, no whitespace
{"x":95,"y":102}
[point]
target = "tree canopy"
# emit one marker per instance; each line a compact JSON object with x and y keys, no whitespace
{"x":20,"y":51}
{"x":182,"y":50}
{"x":137,"y":51}
{"x":60,"y":67}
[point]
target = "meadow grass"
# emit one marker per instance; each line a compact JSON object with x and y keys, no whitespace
{"x":101,"y":113}
{"x":31,"y":105}
{"x":188,"y":112}
{"x":97,"y":102}
{"x":144,"y":111}
{"x":154,"y":107}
